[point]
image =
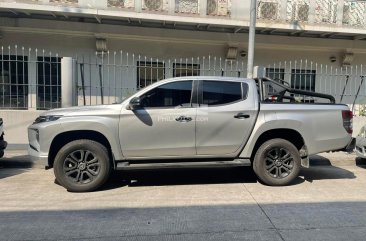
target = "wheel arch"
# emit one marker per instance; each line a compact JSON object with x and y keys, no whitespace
{"x":288,"y":134}
{"x":65,"y":137}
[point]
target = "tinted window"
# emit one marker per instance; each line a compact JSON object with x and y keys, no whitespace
{"x":169,"y":95}
{"x":221,"y":92}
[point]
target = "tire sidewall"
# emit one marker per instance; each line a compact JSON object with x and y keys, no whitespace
{"x":98,"y":150}
{"x":259,"y":162}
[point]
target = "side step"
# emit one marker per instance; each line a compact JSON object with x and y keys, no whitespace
{"x":207,"y":164}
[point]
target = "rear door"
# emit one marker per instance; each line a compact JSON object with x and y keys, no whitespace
{"x":225,"y":117}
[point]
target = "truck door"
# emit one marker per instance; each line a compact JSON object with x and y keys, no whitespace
{"x":225,"y":117}
{"x":164,"y":126}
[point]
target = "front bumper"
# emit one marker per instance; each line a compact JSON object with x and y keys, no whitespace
{"x":34,"y":148}
{"x":360,"y":148}
{"x":36,"y":157}
{"x":3,"y":145}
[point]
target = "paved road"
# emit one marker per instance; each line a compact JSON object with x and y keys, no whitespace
{"x":326,"y":202}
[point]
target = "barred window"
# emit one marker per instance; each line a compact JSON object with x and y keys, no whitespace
{"x":303,"y":79}
{"x":186,"y":69}
{"x":149,"y":72}
{"x":13,"y":82}
{"x":275,"y":73}
{"x":48,"y":82}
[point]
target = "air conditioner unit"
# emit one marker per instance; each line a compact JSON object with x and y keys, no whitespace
{"x":153,"y":5}
{"x":217,"y":7}
{"x":302,"y":12}
{"x":268,"y":10}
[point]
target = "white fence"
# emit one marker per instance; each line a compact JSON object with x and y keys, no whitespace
{"x":31,"y":78}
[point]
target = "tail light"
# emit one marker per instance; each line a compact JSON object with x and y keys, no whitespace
{"x":347,"y":117}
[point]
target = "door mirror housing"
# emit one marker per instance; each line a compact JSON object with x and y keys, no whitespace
{"x":135,"y":104}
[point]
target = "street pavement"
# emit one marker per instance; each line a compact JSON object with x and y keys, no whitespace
{"x":327,"y":202}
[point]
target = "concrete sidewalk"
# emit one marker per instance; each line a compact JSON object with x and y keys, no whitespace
{"x":325,"y":203}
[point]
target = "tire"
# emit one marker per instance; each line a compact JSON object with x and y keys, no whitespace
{"x":1,"y":153}
{"x":274,"y":171}
{"x":82,"y":166}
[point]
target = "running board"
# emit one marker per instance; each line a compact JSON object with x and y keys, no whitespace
{"x":233,"y":163}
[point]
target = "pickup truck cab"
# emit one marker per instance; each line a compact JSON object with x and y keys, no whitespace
{"x":191,"y":122}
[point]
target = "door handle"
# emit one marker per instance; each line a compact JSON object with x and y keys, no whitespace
{"x":183,"y":119}
{"x":241,"y":116}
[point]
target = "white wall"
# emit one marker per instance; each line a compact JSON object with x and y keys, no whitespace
{"x":16,"y":123}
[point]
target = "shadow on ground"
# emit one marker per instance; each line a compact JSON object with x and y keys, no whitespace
{"x":187,"y":176}
{"x":319,"y":170}
{"x":15,"y":165}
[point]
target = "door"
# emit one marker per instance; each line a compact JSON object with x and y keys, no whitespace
{"x":164,"y":126}
{"x":225,"y":117}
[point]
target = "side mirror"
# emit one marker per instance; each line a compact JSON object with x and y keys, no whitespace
{"x":135,"y":104}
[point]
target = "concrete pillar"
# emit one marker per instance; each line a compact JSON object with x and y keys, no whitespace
{"x":203,"y":8}
{"x":68,"y":82}
{"x":171,"y":7}
{"x":32,"y":81}
{"x":138,"y":6}
{"x":312,"y":11}
{"x":283,"y":10}
{"x":340,"y":8}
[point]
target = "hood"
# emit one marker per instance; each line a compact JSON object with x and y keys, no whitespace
{"x":85,"y":110}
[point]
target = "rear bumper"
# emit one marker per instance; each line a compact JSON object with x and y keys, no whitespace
{"x":351,"y":146}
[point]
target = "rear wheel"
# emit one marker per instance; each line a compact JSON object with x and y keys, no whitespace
{"x":82,"y":166}
{"x":277,"y":162}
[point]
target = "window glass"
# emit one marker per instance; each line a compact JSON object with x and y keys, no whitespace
{"x":169,"y":95}
{"x":221,"y":92}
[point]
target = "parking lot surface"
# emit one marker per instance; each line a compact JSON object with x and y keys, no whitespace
{"x":327,"y":202}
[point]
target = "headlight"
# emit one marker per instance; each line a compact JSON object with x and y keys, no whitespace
{"x":46,"y":118}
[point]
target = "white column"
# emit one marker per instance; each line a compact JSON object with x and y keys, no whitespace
{"x":283,"y":10}
{"x":203,"y":8}
{"x":340,"y":12}
{"x":138,"y":6}
{"x":32,"y":81}
{"x":312,"y":11}
{"x":68,"y":82}
{"x":171,"y":7}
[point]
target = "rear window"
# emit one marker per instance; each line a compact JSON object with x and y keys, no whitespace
{"x":222,"y":92}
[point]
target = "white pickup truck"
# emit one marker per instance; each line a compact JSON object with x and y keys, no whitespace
{"x":192,"y":122}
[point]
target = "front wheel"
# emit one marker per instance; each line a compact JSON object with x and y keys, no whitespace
{"x":277,"y":162}
{"x":82,"y":166}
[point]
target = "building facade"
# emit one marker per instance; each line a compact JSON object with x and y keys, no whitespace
{"x":119,"y":46}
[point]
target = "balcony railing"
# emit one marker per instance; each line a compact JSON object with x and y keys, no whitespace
{"x":187,"y":6}
{"x":314,"y":11}
{"x":120,"y":4}
{"x":346,"y":13}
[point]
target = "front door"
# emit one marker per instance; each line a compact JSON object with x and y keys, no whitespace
{"x":164,"y":126}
